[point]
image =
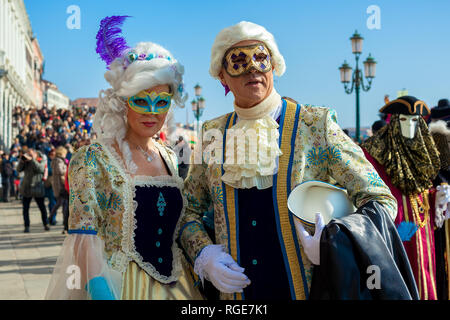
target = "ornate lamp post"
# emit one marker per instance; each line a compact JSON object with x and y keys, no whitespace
{"x":198,"y":105}
{"x":356,"y":78}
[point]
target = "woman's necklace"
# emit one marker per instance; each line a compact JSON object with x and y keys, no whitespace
{"x":148,"y":157}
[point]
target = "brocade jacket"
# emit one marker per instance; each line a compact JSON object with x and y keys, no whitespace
{"x":314,"y":147}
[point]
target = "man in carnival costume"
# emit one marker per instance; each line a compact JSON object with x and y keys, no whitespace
{"x":256,"y":252}
{"x":405,"y":156}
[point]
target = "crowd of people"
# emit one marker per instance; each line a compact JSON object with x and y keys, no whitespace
{"x":35,"y":164}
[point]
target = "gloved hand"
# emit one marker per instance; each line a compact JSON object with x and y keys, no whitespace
{"x":217,"y":266}
{"x":311,"y":244}
{"x":442,"y":205}
{"x":98,"y":289}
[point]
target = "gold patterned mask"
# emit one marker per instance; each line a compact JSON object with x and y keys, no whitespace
{"x":240,"y":60}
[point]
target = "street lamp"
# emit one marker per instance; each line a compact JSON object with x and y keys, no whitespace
{"x":356,"y":78}
{"x":370,"y":67}
{"x":198,"y":105}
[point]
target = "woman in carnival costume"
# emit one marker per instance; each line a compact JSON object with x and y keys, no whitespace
{"x":125,"y":193}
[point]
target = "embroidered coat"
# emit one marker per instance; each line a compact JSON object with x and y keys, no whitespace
{"x":314,"y":148}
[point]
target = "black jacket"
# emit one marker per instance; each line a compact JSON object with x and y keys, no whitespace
{"x":350,"y":247}
{"x":7,"y":170}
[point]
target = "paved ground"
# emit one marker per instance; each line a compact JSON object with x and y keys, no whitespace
{"x":26,"y":259}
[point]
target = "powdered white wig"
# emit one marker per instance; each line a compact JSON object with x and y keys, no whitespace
{"x":244,"y":31}
{"x":153,"y":66}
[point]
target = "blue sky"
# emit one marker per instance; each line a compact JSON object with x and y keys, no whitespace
{"x":412,"y":47}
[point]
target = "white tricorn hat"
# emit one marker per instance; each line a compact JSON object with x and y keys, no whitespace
{"x":311,"y":197}
{"x":244,"y":30}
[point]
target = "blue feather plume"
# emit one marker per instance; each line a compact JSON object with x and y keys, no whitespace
{"x":406,"y":230}
{"x":110,"y":43}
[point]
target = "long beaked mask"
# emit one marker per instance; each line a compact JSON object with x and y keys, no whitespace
{"x":150,"y":102}
{"x":408,"y":125}
{"x":240,"y":60}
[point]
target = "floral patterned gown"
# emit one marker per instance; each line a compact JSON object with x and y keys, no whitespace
{"x":124,"y":229}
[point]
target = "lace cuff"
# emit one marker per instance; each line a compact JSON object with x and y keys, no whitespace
{"x":208,"y":252}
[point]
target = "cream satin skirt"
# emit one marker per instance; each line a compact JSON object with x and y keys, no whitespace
{"x":138,"y":285}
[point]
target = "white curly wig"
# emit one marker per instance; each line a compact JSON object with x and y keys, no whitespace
{"x":129,"y":78}
{"x":244,"y":30}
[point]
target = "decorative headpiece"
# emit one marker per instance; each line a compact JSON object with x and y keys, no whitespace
{"x":130,"y":72}
{"x":408,"y":105}
{"x":244,"y":31}
{"x":110,"y":43}
{"x":154,"y":64}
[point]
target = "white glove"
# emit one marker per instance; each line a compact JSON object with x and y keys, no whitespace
{"x":442,"y":205}
{"x":217,"y":266}
{"x":311,"y":244}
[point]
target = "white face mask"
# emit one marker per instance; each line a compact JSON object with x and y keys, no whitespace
{"x":408,"y":125}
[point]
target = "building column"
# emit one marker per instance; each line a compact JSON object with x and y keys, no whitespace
{"x":14,"y":99}
{"x":8,"y":121}
{"x":5,"y":120}
{"x":2,"y":112}
{"x":5,"y":117}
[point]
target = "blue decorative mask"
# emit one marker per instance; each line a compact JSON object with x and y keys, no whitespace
{"x":146,"y":102}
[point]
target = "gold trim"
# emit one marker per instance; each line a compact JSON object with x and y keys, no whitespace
{"x":421,"y":263}
{"x":418,"y":103}
{"x":421,"y":104}
{"x":447,"y":262}
{"x":419,"y":273}
{"x":405,"y":208}
{"x":417,"y":204}
{"x":231,"y":213}
{"x":283,"y":211}
{"x":430,"y":261}
{"x":285,"y":225}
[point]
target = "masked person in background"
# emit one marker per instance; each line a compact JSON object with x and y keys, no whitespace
{"x":406,"y":158}
{"x":255,"y":253}
{"x":440,"y":130}
{"x":125,"y":193}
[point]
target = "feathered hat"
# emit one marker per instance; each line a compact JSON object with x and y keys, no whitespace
{"x":131,"y":70}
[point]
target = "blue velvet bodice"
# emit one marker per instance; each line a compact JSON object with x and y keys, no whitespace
{"x":157,"y":214}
